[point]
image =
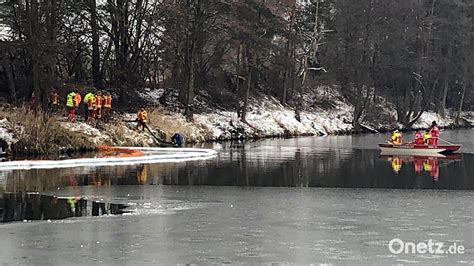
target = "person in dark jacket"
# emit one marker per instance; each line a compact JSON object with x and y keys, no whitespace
{"x":177,"y":139}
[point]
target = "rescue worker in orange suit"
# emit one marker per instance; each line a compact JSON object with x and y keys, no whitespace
{"x":98,"y":105}
{"x":92,"y":108}
{"x":107,"y":104}
{"x":434,"y":131}
{"x":142,"y":118}
{"x":77,"y":101}
{"x":418,"y":138}
{"x":396,"y":138}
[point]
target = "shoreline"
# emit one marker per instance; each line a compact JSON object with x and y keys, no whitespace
{"x":78,"y":150}
{"x":24,"y":133}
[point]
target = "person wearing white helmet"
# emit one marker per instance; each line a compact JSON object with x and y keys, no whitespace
{"x":396,"y":138}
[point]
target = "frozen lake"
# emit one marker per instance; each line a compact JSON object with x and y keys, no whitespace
{"x":304,"y":200}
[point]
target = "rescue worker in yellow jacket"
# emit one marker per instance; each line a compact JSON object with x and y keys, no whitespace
{"x":71,"y":106}
{"x":427,"y":137}
{"x":88,"y":108}
{"x":396,"y":138}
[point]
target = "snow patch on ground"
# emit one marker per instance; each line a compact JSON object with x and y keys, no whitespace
{"x":95,"y":135}
{"x":5,"y":132}
{"x":119,"y":134}
{"x":449,"y":119}
{"x":428,"y":117}
{"x":152,"y":96}
{"x":469,"y":116}
{"x":267,"y":117}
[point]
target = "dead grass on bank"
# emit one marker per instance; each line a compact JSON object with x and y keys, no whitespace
{"x":121,"y":135}
{"x":41,"y":134}
{"x":170,"y":123}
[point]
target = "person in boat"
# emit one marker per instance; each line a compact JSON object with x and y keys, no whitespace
{"x":418,"y":138}
{"x":434,"y":131}
{"x":177,"y":139}
{"x":427,"y":138}
{"x":396,"y":138}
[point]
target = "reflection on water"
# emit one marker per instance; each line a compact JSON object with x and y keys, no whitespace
{"x":302,"y":162}
{"x":427,"y":164}
{"x":33,"y":206}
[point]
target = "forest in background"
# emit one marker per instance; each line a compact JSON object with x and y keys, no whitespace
{"x":415,"y":54}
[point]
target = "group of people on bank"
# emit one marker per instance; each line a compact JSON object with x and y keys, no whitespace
{"x":429,"y":137}
{"x":96,"y":105}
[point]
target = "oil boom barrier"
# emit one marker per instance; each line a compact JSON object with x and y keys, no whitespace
{"x":112,"y":156}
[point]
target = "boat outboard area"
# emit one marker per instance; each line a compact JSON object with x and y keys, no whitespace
{"x":111,"y":156}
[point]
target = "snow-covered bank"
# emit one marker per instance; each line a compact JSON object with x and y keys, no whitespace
{"x":272,"y":119}
{"x":269,"y":118}
{"x":5,"y":133}
{"x":325,"y":112}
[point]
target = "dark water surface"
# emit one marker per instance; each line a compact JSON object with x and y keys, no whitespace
{"x":304,"y":200}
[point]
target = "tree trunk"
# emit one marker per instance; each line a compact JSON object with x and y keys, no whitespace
{"x":461,"y":103}
{"x":96,"y":74}
{"x":239,"y":107}
{"x":247,"y":94}
{"x":442,"y":105}
{"x":188,"y":111}
{"x":10,"y":78}
{"x":288,"y":55}
{"x":32,"y":31}
{"x":285,"y":87}
{"x":51,"y":52}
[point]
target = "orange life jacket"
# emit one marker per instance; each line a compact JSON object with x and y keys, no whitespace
{"x":91,"y":104}
{"x":108,"y":101}
{"x":77,"y":99}
{"x":142,"y":116}
{"x":98,"y":102}
{"x":418,"y":138}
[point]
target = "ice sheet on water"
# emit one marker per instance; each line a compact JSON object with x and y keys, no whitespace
{"x":164,"y":155}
